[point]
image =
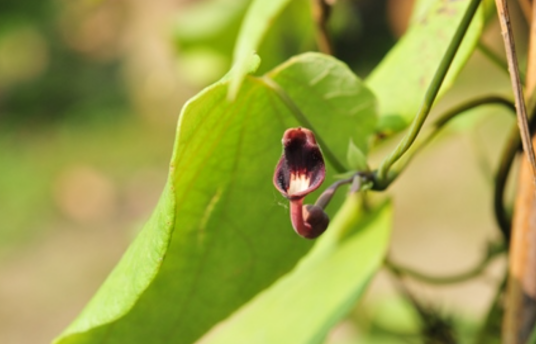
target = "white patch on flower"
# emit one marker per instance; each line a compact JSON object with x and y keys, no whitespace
{"x":298,"y":183}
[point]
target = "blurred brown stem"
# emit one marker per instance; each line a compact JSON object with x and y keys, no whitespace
{"x":321,"y":10}
{"x":496,"y":59}
{"x":526,"y":8}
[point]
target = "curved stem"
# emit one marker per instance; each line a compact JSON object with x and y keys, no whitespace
{"x":302,"y":119}
{"x":461,"y":277}
{"x":501,"y":177}
{"x":296,"y":217}
{"x":324,"y":199}
{"x":326,"y":196}
{"x":429,"y":97}
{"x":471,"y":104}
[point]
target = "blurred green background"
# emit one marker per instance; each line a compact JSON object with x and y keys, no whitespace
{"x":90,"y":93}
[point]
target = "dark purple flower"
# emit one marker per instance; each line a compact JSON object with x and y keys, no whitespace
{"x":300,"y":171}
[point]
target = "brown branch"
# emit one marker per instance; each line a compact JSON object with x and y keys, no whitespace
{"x":522,"y":119}
{"x":520,"y":314}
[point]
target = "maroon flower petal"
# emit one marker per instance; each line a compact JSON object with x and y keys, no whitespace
{"x":301,"y":169}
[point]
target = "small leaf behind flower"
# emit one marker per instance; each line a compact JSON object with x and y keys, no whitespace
{"x":333,"y":97}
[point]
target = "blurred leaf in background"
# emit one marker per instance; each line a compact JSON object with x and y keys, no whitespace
{"x":58,"y":62}
{"x":81,"y":166}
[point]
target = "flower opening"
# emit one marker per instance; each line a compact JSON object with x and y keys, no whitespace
{"x":301,"y":169}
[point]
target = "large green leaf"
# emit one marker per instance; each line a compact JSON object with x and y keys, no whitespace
{"x":304,"y":305}
{"x":401,"y":79}
{"x":219,"y":234}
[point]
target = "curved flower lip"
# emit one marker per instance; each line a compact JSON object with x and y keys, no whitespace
{"x":301,"y":169}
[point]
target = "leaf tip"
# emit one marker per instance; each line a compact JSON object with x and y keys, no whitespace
{"x":244,"y":65}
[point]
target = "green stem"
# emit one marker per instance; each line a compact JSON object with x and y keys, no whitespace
{"x":513,"y":145}
{"x":430,"y":96}
{"x":440,"y":124}
{"x":303,"y":120}
{"x":471,"y":104}
{"x":358,"y":177}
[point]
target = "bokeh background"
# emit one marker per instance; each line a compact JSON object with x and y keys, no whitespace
{"x":90,"y":94}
